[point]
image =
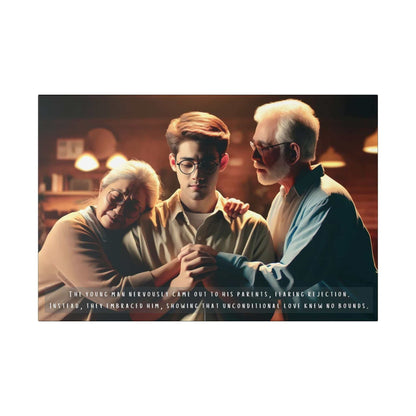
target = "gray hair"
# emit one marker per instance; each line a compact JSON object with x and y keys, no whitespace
{"x":142,"y":175}
{"x":295,"y":122}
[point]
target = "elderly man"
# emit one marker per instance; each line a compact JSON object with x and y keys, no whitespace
{"x":323,"y":248}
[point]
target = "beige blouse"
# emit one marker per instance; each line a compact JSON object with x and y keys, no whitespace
{"x":79,"y":271}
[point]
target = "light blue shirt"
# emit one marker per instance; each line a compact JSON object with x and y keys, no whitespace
{"x":326,"y":246}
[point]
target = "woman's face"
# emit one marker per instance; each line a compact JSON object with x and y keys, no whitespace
{"x":120,"y":204}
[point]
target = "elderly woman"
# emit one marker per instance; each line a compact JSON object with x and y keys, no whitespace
{"x":82,"y":265}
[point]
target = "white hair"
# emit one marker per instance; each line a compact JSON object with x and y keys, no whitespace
{"x":142,"y":175}
{"x":295,"y":122}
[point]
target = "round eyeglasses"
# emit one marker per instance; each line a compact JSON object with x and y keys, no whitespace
{"x":262,"y":149}
{"x":131,"y":207}
{"x":188,"y":166}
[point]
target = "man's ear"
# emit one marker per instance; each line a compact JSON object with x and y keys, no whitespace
{"x":224,"y":161}
{"x":293,"y":156}
{"x":172,"y":162}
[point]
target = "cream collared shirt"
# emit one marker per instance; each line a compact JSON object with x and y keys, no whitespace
{"x":161,"y":233}
{"x":280,"y":217}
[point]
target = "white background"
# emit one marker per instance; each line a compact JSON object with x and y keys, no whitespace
{"x":212,"y":47}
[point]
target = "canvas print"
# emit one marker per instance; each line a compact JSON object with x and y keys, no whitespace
{"x":208,"y":208}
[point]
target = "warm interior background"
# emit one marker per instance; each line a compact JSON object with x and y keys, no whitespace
{"x":139,"y":124}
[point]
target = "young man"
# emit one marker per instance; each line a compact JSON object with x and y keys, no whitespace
{"x":195,"y":214}
{"x":321,"y":243}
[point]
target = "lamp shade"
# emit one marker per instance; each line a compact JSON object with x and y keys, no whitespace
{"x":371,"y":143}
{"x":86,"y":162}
{"x":116,"y":160}
{"x":332,"y":159}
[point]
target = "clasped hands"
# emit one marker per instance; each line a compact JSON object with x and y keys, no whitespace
{"x":198,"y":264}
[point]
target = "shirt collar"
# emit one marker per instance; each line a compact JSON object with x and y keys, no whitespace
{"x":219,"y":207}
{"x":306,"y":179}
{"x":174,"y":204}
{"x":176,"y":208}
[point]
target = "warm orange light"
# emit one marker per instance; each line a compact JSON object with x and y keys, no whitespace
{"x":332,"y":159}
{"x":86,"y":162}
{"x":333,"y":164}
{"x":371,"y":143}
{"x":116,"y":160}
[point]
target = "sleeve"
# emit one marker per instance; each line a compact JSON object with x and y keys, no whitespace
{"x":262,"y":243}
{"x":80,"y":261}
{"x":257,"y":247}
{"x":255,"y":244}
{"x":305,"y":260}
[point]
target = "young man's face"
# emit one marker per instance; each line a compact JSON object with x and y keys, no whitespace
{"x":197,"y":183}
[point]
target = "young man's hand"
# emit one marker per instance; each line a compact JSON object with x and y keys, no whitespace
{"x":197,"y":250}
{"x":195,"y":266}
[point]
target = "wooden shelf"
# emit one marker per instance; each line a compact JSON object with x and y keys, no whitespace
{"x":66,"y":201}
{"x":70,"y":193}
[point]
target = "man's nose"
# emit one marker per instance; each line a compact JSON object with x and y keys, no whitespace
{"x":256,"y":155}
{"x":197,"y":173}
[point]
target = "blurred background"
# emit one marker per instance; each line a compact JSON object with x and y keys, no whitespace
{"x":133,"y":126}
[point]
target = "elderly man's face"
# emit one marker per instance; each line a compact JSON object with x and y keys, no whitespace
{"x":269,"y":163}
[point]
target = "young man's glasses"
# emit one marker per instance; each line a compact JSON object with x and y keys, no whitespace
{"x":131,"y":206}
{"x":188,"y":166}
{"x":262,"y":149}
